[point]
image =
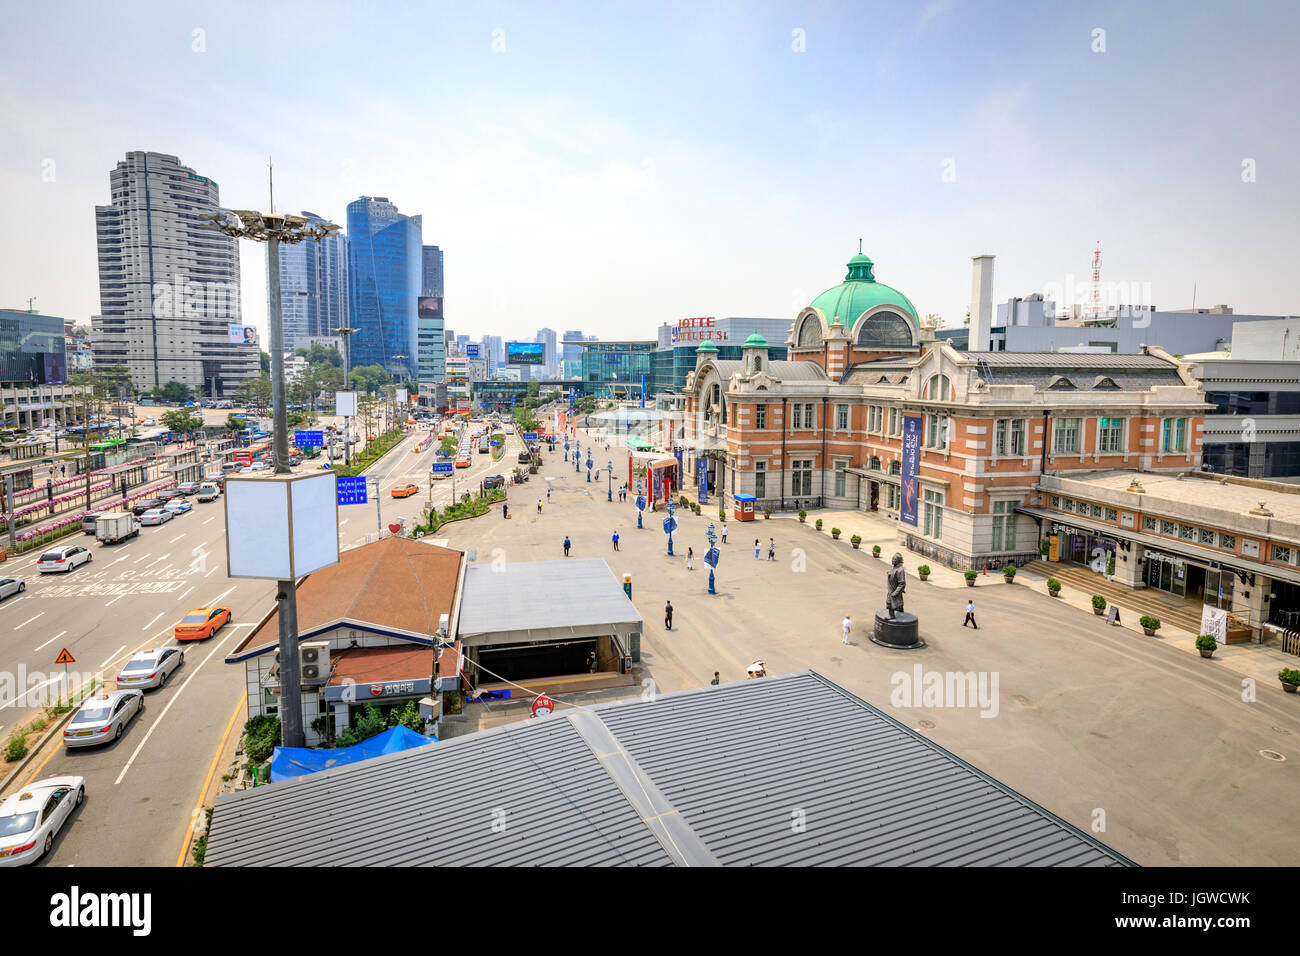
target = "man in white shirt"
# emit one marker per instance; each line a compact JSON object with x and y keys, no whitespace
{"x":847,"y":625}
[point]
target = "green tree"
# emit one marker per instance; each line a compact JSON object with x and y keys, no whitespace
{"x":369,"y":378}
{"x":321,"y":355}
{"x":534,"y":387}
{"x":266,"y":362}
{"x":182,"y":420}
{"x":294,"y":419}
{"x":173,"y":391}
{"x":235,"y":424}
{"x":254,"y":391}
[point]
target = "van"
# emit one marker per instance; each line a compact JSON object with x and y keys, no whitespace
{"x":229,"y":467}
{"x":88,"y":523}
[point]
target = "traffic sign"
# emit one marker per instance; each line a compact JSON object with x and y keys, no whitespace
{"x":352,"y":491}
{"x":441,"y":468}
{"x":305,"y":439}
{"x":65,"y":658}
{"x":542,"y":706}
{"x":530,"y":436}
{"x":670,"y":525}
{"x":711,"y":557}
{"x":640,"y":502}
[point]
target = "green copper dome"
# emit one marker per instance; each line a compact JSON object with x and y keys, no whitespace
{"x":755,"y":341}
{"x":859,"y":292}
{"x":707,"y":347}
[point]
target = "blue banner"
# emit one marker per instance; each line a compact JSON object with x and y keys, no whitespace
{"x":702,"y":478}
{"x":352,"y":491}
{"x":440,"y":468}
{"x":305,"y":439}
{"x":681,"y":472}
{"x":530,"y":436}
{"x":907,"y":508}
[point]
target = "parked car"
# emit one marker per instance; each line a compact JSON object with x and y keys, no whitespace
{"x":201,"y":623}
{"x":63,"y":558}
{"x":146,"y":504}
{"x":188,"y":488}
{"x":30,"y":818}
{"x":11,"y":586}
{"x":494,"y":481}
{"x":102,"y":718}
{"x":148,"y":669}
{"x":208,"y":491}
{"x":156,"y":516}
{"x":179,"y":506}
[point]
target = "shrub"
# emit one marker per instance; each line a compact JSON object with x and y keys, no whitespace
{"x":1206,"y":642}
{"x":1053,"y":584}
{"x":767,"y":512}
{"x":1009,"y":570}
{"x":923,"y":569}
{"x":819,"y":524}
{"x":1110,"y":564}
{"x":261,"y":736}
{"x":1099,"y":602}
{"x":1288,"y":675}
{"x":802,"y":513}
{"x":835,"y":531}
{"x":972,"y":575}
{"x":1044,"y":547}
{"x":1149,"y":622}
{"x":875,"y":549}
{"x":16,"y":749}
{"x":856,"y":539}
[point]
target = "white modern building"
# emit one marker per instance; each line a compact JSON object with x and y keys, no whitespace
{"x":313,"y":288}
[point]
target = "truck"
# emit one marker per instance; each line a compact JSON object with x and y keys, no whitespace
{"x":116,"y":526}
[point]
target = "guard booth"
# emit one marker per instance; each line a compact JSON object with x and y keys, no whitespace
{"x":744,"y":507}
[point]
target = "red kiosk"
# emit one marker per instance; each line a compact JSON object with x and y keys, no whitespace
{"x":744,"y":507}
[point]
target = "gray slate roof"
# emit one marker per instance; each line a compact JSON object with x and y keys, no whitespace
{"x":782,"y":370}
{"x":712,"y":776}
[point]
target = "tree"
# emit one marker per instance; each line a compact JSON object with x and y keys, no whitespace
{"x":294,"y":419}
{"x":534,"y":387}
{"x":254,"y":391}
{"x":321,"y":355}
{"x":182,"y":420}
{"x":235,"y":424}
{"x":173,"y":391}
{"x":369,"y":378}
{"x":266,"y":361}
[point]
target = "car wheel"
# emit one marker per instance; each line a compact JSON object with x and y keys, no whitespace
{"x":49,"y":844}
{"x":118,"y":735}
{"x":22,"y":587}
{"x":81,"y":795}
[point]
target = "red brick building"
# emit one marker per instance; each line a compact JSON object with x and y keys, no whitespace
{"x":825,"y":428}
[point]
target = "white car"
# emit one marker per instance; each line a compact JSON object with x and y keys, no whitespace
{"x":102,"y":718}
{"x":31,"y":818}
{"x":178,"y":506}
{"x":11,"y":586}
{"x":156,"y":516}
{"x":63,"y":559}
{"x":148,"y":669}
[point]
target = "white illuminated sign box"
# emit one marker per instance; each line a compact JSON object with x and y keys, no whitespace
{"x":281,"y":527}
{"x":345,"y":403}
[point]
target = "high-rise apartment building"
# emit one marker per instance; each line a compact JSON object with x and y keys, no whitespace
{"x":313,"y":288}
{"x":496,"y":351}
{"x":433,"y":271}
{"x":571,"y":354}
{"x":547,"y":337}
{"x":385,"y":279}
{"x":169,"y":281}
{"x":431,"y":322}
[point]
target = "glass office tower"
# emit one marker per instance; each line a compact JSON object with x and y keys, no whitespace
{"x":385,"y":275}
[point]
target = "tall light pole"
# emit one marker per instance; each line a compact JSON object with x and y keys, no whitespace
{"x":274,"y":229}
{"x":347,"y":334}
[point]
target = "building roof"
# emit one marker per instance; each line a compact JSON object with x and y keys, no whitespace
{"x":1167,"y":494}
{"x":397,"y":586}
{"x":859,"y":292}
{"x":755,"y":341}
{"x":544,"y":600}
{"x":783,"y":371}
{"x":702,"y":777}
{"x":361,"y":665}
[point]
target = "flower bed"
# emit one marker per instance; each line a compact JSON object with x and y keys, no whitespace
{"x":63,"y":524}
{"x":56,"y":500}
{"x":74,"y":479}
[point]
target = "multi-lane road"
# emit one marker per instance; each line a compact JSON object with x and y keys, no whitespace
{"x":144,"y":791}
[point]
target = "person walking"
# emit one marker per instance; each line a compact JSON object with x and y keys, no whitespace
{"x":757,"y":549}
{"x":690,"y":559}
{"x":970,"y":615}
{"x":592,"y":662}
{"x":668,"y":616}
{"x":615,"y":540}
{"x":548,"y":494}
{"x":771,"y":549}
{"x":724,"y":532}
{"x":567,"y":545}
{"x":539,"y":505}
{"x":847,"y":626}
{"x":717,"y":679}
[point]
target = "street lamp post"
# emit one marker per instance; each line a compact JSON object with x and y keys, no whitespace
{"x":711,"y":556}
{"x":640,"y":502}
{"x":669,"y":522}
{"x":609,"y":474}
{"x":273,"y":229}
{"x":347,"y":334}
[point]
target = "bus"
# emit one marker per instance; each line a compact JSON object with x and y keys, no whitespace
{"x":109,"y":445}
{"x":246,"y":456}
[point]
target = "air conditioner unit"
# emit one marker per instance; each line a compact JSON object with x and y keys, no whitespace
{"x":314,"y":661}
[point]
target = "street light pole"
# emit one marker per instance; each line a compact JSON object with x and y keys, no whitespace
{"x":347,"y":387}
{"x":609,"y":474}
{"x":280,"y":430}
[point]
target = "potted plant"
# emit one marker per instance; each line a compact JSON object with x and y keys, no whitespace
{"x":722,"y":514}
{"x":1149,"y":624}
{"x":835,"y":533}
{"x":1054,"y":587}
{"x":856,"y":540}
{"x":819,"y":524}
{"x":767,"y":513}
{"x":803,"y":516}
{"x":970,"y":578}
{"x":1110,"y":566}
{"x":1098,"y":605}
{"x":875,"y":551}
{"x":1008,"y":573}
{"x":1207,"y":645}
{"x":1044,"y":548}
{"x":1290,"y":679}
{"x":923,"y":571}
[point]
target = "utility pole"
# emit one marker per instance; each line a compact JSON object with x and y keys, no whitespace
{"x":347,"y":334}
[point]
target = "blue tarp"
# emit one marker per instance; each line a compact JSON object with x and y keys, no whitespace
{"x":287,"y":762}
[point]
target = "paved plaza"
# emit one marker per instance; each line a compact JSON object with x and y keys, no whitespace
{"x":1135,"y":739}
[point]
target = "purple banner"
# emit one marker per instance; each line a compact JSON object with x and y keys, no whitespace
{"x":702,"y":479}
{"x":911,"y":466}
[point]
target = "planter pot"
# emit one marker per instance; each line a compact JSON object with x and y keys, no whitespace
{"x":1149,"y":632}
{"x":1055,"y":594}
{"x":1289,"y":688}
{"x":1207,"y":654}
{"x":1009,"y":578}
{"x":875,"y":554}
{"x":803,"y":519}
{"x":923,"y":577}
{"x":857,"y":545}
{"x":1099,"y":611}
{"x":835,"y":536}
{"x":970,"y":584}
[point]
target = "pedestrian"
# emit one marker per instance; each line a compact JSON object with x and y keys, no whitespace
{"x":771,"y":549}
{"x":724,"y":532}
{"x":970,"y":615}
{"x":505,"y":511}
{"x":592,"y":661}
{"x":615,"y":540}
{"x":548,"y":494}
{"x":668,"y":616}
{"x":716,"y":679}
{"x":539,"y":505}
{"x":690,"y":559}
{"x":757,"y":549}
{"x":567,"y":544}
{"x":847,"y":625}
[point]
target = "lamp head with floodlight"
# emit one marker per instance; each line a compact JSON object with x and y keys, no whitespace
{"x":260,"y":227}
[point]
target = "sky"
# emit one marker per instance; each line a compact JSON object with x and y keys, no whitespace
{"x":609,"y":167}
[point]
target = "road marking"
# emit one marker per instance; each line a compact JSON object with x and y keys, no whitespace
{"x":116,"y":599}
{"x":212,"y":769}
{"x":164,"y":569}
{"x":220,"y":596}
{"x":139,"y":559}
{"x":182,"y":597}
{"x":28,"y":621}
{"x":31,"y":691}
{"x":15,"y":600}
{"x":122,"y":558}
{"x":150,"y":624}
{"x":112,"y":657}
{"x":161,"y":717}
{"x":210,"y":573}
{"x":343,"y":522}
{"x":51,"y":640}
{"x":213,"y":518}
{"x":37,"y":772}
{"x":177,"y":538}
{"x":156,"y":560}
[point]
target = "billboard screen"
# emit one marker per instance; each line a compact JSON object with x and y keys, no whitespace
{"x":525,"y":353}
{"x":429,"y":307}
{"x":243,"y":334}
{"x":472,"y":351}
{"x":911,"y":466}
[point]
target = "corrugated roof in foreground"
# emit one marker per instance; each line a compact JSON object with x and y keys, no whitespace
{"x":787,"y":770}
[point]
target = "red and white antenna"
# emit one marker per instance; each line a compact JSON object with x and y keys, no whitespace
{"x":1094,"y":299}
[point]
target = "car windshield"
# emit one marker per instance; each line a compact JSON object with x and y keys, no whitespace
{"x":51,"y":555}
{"x":194,"y":618}
{"x":138,"y":666}
{"x":91,"y":714}
{"x":16,"y":824}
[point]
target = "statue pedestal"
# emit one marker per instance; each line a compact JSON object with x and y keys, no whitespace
{"x":900,"y":631}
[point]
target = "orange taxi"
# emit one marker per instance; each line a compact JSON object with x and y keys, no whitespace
{"x":462,"y":462}
{"x":405,"y":491}
{"x":200,"y":623}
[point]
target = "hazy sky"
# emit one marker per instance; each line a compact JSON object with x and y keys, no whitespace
{"x":610,"y":167}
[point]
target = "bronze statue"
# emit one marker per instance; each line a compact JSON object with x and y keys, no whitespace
{"x":895,"y":585}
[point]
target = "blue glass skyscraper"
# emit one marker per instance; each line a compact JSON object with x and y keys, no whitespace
{"x":385,"y":272}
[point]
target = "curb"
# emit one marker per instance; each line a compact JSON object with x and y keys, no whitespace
{"x":33,"y":751}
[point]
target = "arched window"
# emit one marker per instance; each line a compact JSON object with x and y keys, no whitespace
{"x":938,"y":388}
{"x":1105,"y":383}
{"x":810,"y":333}
{"x":885,"y":330}
{"x":895,"y":467}
{"x":758,"y":363}
{"x":874,"y":464}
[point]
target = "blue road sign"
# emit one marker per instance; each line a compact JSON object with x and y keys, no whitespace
{"x":352,"y":491}
{"x":530,"y":436}
{"x":711,"y":557}
{"x":309,"y":439}
{"x":640,"y":502}
{"x":441,"y":468}
{"x":670,"y":525}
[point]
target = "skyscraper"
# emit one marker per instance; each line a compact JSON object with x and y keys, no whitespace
{"x":313,"y":288}
{"x":496,"y":346}
{"x":432,"y":349}
{"x":433,"y":271}
{"x":547,"y":338}
{"x":385,"y":275}
{"x":168,"y":281}
{"x":571,"y":354}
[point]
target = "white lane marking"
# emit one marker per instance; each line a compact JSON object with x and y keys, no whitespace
{"x":220,"y":596}
{"x":151,"y":623}
{"x":112,"y":657}
{"x":343,"y":522}
{"x":157,"y":559}
{"x":139,"y":559}
{"x":213,"y":518}
{"x":15,"y":600}
{"x":51,"y":640}
{"x":28,"y":621}
{"x":163,"y":569}
{"x":115,"y":600}
{"x":177,"y":538}
{"x":122,"y":558}
{"x":187,"y":591}
{"x":19,"y":698}
{"x":161,"y":717}
{"x":210,"y":573}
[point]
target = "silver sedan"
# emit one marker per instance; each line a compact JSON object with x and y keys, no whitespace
{"x":102,"y":718}
{"x":11,"y":586}
{"x":151,"y":668}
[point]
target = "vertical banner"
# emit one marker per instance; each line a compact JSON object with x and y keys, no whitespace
{"x":631,"y":482}
{"x":656,"y":482}
{"x":702,"y":479}
{"x":911,"y":465}
{"x":681,"y":472}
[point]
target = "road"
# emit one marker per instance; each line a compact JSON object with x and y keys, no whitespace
{"x":143,"y":790}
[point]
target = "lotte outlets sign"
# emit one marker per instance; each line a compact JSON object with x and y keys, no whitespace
{"x":698,"y":330}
